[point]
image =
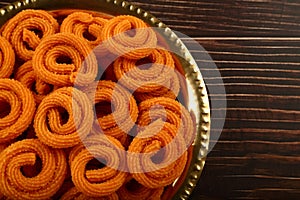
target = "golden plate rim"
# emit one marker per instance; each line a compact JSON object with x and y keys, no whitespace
{"x":191,"y":70}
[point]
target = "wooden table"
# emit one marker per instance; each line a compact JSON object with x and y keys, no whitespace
{"x":256,"y":47}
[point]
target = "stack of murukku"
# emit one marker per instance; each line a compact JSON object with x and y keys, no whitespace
{"x":89,"y":108}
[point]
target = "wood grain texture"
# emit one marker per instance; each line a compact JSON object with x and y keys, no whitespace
{"x":257,"y":155}
{"x":228,"y":17}
{"x":4,"y":3}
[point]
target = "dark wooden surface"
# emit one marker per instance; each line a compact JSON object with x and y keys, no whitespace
{"x":256,"y":47}
{"x":228,"y":17}
{"x":257,"y":155}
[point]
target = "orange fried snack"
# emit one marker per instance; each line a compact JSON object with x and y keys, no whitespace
{"x":154,"y":78}
{"x":122,"y":150}
{"x":64,"y":59}
{"x":128,"y":36}
{"x":85,"y":26}
{"x":75,"y":194}
{"x":2,"y":147}
{"x":26,"y":30}
{"x":171,"y":91}
{"x":62,"y":132}
{"x":19,"y":107}
{"x":169,"y":110}
{"x":119,"y":120}
{"x":132,"y":190}
{"x":61,"y":14}
{"x":26,"y":75}
{"x":103,"y":181}
{"x":157,"y":158}
{"x":7,"y":58}
{"x":15,"y":185}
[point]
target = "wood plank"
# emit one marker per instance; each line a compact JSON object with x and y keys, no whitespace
{"x":271,"y":135}
{"x":258,"y":150}
{"x":4,"y":3}
{"x":227,"y":18}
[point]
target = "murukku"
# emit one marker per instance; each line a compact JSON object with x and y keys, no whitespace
{"x":75,"y":194}
{"x":169,"y":110}
{"x":105,"y":59}
{"x":50,"y":126}
{"x":171,"y":91}
{"x":7,"y":58}
{"x":85,"y":26}
{"x":104,"y":179}
{"x":64,"y":59}
{"x":60,"y":15}
{"x":129,"y":37}
{"x":172,"y":189}
{"x":155,"y":76}
{"x":30,"y":171}
{"x":132,"y":190}
{"x":15,"y":185}
{"x":157,"y":160}
{"x":55,"y":108}
{"x":2,"y":147}
{"x":66,"y":186}
{"x":26,"y":30}
{"x":122,"y":115}
{"x":19,"y":106}
{"x":26,"y":75}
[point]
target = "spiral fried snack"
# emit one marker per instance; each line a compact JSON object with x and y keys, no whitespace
{"x":170,"y":111}
{"x":85,"y":26}
{"x":22,"y":108}
{"x":132,"y":190}
{"x":64,"y":59}
{"x":129,"y":37}
{"x":7,"y":58}
{"x":26,"y":30}
{"x":15,"y":185}
{"x":2,"y":147}
{"x":101,"y":181}
{"x":49,"y":123}
{"x":26,"y":75}
{"x":171,"y":91}
{"x":157,"y":160}
{"x":75,"y":194}
{"x":61,"y":14}
{"x":157,"y":80}
{"x":123,"y":115}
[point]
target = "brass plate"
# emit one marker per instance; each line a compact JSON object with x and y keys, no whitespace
{"x":198,"y":97}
